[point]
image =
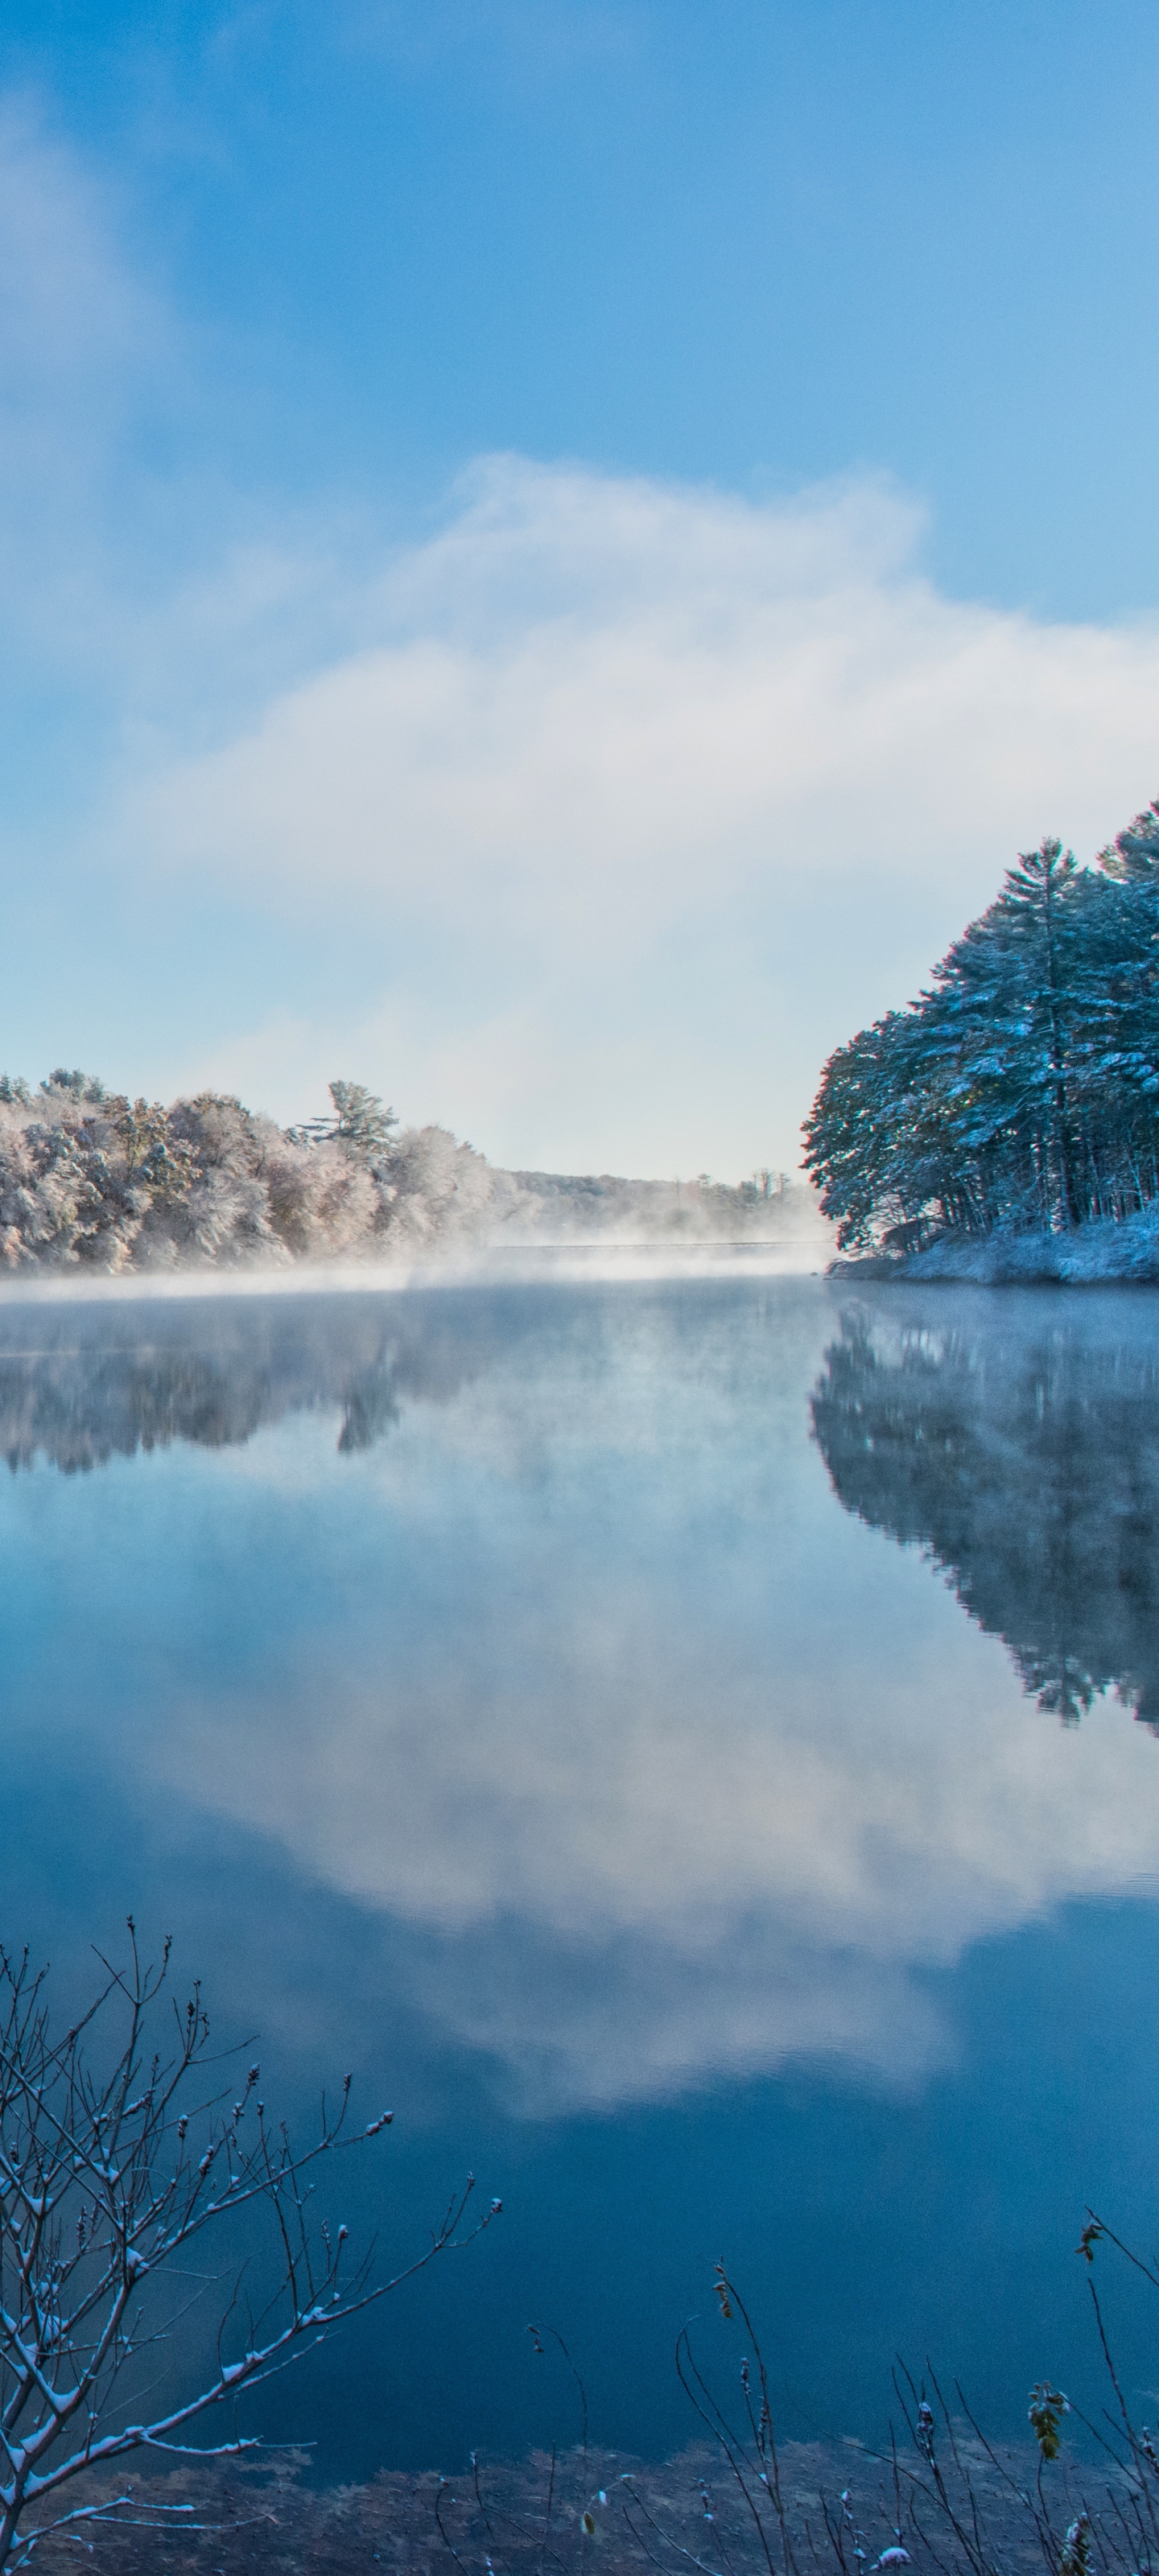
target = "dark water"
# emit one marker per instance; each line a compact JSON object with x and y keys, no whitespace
{"x":689,"y":1747}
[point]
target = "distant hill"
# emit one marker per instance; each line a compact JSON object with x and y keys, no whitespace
{"x":566,"y":1205}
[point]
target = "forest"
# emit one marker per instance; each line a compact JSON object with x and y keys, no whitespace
{"x":1020,"y":1092}
{"x":91,"y":1179}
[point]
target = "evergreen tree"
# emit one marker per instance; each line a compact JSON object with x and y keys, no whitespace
{"x":1021,"y":1089}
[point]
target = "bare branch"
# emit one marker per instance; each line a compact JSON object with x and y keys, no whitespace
{"x":113,"y":2158}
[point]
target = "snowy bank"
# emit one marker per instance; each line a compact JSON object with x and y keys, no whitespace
{"x":1106,"y":1249}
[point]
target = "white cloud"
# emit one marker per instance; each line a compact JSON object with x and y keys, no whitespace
{"x":136,"y":576}
{"x":632,"y":800}
{"x":651,"y":795}
{"x":71,"y":307}
{"x":92,"y":365}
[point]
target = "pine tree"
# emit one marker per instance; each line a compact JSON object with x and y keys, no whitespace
{"x":1022,"y":1088}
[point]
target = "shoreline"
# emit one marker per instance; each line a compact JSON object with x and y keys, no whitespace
{"x":1108,"y":1253}
{"x":484,"y":1265}
{"x":518,"y":2517}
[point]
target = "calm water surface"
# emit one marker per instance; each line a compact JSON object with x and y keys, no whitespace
{"x":688,"y":1747}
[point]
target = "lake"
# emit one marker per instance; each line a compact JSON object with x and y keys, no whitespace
{"x":687,"y":1745}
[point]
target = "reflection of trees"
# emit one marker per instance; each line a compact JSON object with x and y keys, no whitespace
{"x":1021,"y":1452}
{"x":80,"y":1386}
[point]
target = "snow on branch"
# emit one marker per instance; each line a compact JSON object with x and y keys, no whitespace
{"x":117,"y":2150}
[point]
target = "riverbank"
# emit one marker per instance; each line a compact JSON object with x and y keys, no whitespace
{"x":842,"y":2512}
{"x":1088,"y":1255}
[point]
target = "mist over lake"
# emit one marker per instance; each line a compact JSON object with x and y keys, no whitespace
{"x":687,"y":1745}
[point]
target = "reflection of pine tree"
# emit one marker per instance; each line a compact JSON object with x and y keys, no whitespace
{"x":1027,"y":1466}
{"x":371,"y":1410}
{"x":1023,"y":1087}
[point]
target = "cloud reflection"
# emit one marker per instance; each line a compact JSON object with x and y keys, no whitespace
{"x":667,"y":1892}
{"x":662,"y":1768}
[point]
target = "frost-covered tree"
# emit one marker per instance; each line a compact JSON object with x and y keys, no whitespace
{"x":119,"y":2149}
{"x":91,"y":1178}
{"x":437,"y":1187}
{"x":1022,"y":1088}
{"x":360,"y":1121}
{"x":80,"y":1086}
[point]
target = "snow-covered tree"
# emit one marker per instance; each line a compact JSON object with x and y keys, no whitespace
{"x":89,"y":1177}
{"x":360,"y":1121}
{"x":1022,"y":1088}
{"x":92,"y":1178}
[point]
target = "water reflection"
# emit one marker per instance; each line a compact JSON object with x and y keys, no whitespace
{"x":1016,"y":1441}
{"x":79,"y":1386}
{"x":663,"y":1771}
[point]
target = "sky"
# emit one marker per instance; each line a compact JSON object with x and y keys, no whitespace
{"x":552,"y":551}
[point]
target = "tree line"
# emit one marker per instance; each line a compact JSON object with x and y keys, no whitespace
{"x":1021,"y":1090}
{"x":91,"y":1178}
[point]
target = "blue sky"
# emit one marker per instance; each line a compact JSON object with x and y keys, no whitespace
{"x":551,"y":550}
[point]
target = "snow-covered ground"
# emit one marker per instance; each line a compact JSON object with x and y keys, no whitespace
{"x":1127,"y":1249}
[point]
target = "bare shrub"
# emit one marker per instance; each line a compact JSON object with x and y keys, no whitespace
{"x":117,"y":2148}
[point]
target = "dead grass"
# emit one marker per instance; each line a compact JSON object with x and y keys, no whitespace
{"x":524,"y":2519}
